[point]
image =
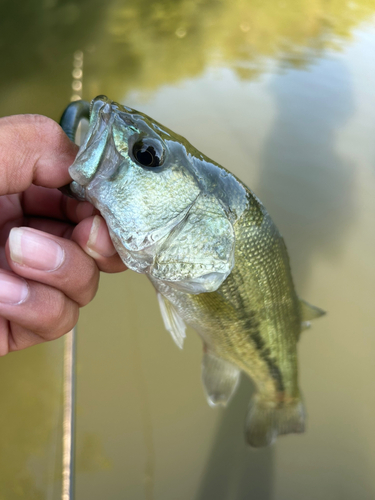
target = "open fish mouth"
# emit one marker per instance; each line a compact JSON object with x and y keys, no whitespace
{"x":91,"y":151}
{"x":83,"y":169}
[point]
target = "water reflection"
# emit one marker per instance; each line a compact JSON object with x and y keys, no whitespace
{"x":301,"y":167}
{"x":233,"y":469}
{"x":31,"y":423}
{"x":91,"y":456}
{"x":154,"y":43}
{"x":143,"y":44}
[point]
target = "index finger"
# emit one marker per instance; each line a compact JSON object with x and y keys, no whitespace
{"x":44,"y":202}
{"x":33,"y":150}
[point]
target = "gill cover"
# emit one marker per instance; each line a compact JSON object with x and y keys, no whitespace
{"x":169,"y":211}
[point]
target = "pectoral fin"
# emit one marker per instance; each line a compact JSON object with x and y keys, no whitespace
{"x":172,"y":321}
{"x":220,"y":379}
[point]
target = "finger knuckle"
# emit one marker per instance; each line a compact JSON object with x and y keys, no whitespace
{"x":61,"y":317}
{"x":87,"y":284}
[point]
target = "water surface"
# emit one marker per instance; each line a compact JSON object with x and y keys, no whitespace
{"x":280,"y":93}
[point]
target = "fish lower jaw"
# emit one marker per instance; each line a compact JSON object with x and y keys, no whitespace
{"x":78,"y":191}
{"x":139,"y":262}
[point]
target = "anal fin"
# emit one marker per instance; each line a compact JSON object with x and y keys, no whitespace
{"x":172,"y":321}
{"x":219,"y":377}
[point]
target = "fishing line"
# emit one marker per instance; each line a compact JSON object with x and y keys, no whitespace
{"x":69,"y":405}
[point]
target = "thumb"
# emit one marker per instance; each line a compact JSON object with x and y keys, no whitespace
{"x":33,"y":150}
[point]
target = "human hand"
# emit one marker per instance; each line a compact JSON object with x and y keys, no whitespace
{"x":51,"y":247}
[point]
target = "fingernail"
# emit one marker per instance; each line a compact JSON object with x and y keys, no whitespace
{"x":13,"y":290}
{"x":99,"y":243}
{"x":30,"y":247}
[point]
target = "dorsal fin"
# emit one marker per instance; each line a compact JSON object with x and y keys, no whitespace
{"x":308,"y":313}
{"x":172,"y":321}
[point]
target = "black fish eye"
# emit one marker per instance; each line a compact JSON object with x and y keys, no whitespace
{"x":149,"y":152}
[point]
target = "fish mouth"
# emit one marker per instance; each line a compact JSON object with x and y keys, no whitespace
{"x":92,"y":149}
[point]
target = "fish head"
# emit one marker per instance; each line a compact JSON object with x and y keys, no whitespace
{"x":159,"y":196}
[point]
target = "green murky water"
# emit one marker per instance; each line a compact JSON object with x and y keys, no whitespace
{"x":282,"y":94}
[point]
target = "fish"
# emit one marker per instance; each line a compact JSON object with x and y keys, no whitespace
{"x":215,"y":257}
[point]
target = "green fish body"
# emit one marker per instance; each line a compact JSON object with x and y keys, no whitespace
{"x":212,"y":252}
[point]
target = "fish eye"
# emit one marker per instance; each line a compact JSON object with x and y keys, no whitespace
{"x":149,"y":152}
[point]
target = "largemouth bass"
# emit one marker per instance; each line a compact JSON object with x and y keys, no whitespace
{"x":212,"y":252}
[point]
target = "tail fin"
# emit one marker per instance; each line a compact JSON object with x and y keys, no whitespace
{"x":264,"y":422}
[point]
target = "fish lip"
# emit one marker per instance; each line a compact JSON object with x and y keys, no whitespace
{"x":93,"y":146}
{"x":99,"y":99}
{"x":104,"y":114}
